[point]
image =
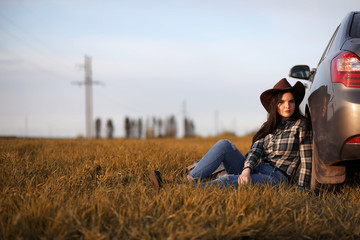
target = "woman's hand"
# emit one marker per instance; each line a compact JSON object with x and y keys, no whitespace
{"x":245,"y":177}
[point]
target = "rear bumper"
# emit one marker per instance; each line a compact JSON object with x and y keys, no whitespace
{"x":350,"y":151}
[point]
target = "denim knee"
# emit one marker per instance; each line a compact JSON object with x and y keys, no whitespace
{"x":226,"y":144}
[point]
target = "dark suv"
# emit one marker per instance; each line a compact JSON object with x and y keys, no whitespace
{"x":332,"y":101}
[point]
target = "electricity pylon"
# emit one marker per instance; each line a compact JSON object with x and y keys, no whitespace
{"x":88,"y":96}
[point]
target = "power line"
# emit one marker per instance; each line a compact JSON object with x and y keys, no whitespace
{"x":44,"y":50}
{"x":40,"y":68}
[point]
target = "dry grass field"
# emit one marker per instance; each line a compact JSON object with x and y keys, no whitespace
{"x":100,"y":189}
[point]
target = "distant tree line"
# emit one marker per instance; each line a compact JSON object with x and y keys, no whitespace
{"x":189,"y":128}
{"x":154,"y":128}
{"x":109,"y":129}
{"x":133,"y":128}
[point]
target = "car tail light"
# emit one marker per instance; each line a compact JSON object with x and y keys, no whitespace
{"x":345,"y":69}
{"x":354,"y":140}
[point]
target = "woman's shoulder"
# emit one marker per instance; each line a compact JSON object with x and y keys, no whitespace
{"x":299,"y":122}
{"x":302,"y":123}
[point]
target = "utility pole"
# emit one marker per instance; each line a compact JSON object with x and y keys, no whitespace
{"x":88,"y":96}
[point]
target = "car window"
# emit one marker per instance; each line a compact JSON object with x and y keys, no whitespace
{"x":329,"y":45}
{"x":355,"y":26}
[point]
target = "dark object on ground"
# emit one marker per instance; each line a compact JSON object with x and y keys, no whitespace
{"x":156,"y":180}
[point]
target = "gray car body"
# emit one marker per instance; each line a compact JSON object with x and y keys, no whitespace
{"x":334,"y":110}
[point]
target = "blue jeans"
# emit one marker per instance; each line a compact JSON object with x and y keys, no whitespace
{"x":226,"y":152}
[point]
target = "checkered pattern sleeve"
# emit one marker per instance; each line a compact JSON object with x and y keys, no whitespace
{"x":306,"y":158}
{"x":253,"y":156}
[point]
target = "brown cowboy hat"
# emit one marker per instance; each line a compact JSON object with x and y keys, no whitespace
{"x":298,"y":90}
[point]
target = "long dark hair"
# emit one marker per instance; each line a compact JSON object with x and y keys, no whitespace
{"x":274,"y":118}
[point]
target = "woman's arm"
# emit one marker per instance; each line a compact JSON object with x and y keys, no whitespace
{"x":251,"y":160}
{"x":306,"y":159}
{"x":253,"y":156}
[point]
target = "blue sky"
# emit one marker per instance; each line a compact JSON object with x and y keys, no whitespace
{"x":152,"y":56}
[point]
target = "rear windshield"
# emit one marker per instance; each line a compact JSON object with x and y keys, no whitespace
{"x":355,"y":26}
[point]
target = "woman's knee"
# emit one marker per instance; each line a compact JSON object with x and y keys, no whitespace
{"x":226,"y":144}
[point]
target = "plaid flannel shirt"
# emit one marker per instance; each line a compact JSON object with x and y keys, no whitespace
{"x":284,"y":149}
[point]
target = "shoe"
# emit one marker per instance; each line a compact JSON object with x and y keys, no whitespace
{"x":155,"y":177}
